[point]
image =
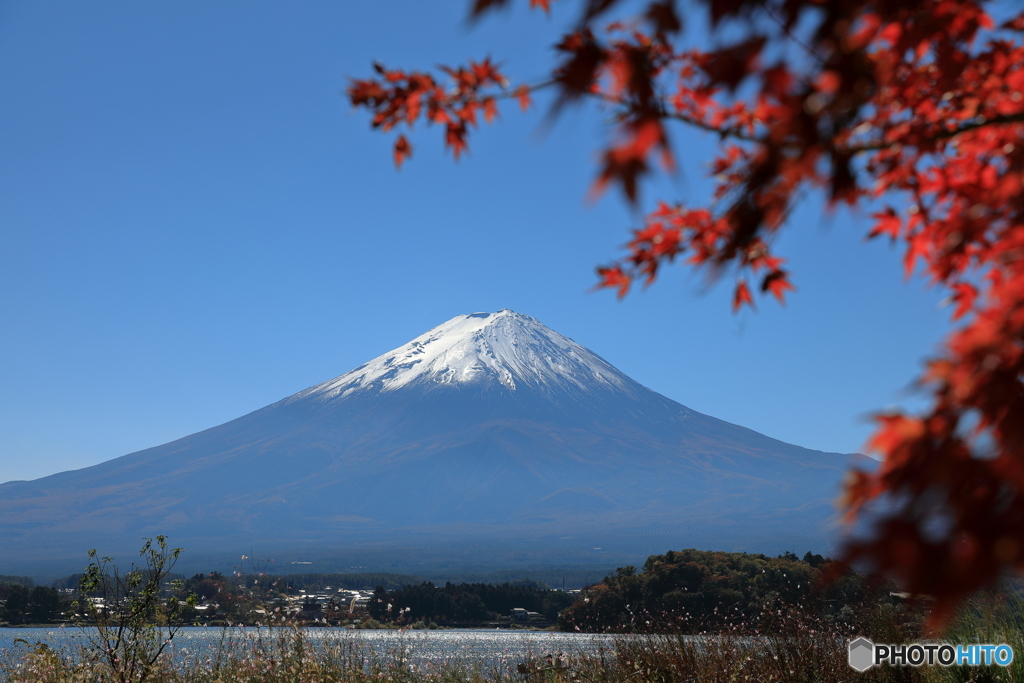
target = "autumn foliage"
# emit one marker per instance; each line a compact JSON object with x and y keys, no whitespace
{"x":913,"y":111}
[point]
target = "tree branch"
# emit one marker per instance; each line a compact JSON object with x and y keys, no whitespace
{"x":943,"y":135}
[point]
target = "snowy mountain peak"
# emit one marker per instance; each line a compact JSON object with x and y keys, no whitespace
{"x":505,"y":347}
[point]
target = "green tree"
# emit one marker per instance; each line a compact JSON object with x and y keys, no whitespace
{"x":44,"y":603}
{"x":17,"y":604}
{"x":553,"y":603}
{"x":134,"y":624}
{"x":470,"y":607}
{"x":378,"y":607}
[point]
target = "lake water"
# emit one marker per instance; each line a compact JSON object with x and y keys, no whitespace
{"x":488,"y":648}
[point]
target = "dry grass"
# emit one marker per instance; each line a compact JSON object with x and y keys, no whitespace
{"x":793,"y":648}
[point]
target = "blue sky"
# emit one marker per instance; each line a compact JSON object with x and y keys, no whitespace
{"x":194,"y":223}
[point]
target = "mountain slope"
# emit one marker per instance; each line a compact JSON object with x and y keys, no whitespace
{"x":488,"y":428}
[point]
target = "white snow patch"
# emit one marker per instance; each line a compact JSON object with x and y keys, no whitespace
{"x":506,"y":346}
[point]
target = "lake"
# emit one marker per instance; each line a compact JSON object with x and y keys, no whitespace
{"x":488,"y":648}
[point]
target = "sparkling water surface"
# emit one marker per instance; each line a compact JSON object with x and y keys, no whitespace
{"x":473,"y":646}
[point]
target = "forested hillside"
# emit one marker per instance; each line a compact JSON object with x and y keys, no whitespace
{"x":692,"y":591}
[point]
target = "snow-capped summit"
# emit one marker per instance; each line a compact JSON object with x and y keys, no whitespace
{"x":505,"y":347}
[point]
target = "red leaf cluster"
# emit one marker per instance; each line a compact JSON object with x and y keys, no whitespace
{"x":672,"y":230}
{"x":911,"y":110}
{"x":398,"y":98}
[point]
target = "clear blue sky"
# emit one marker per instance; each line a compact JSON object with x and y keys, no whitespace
{"x":194,"y":223}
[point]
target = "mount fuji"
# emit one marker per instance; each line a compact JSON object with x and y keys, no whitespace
{"x":490,"y":435}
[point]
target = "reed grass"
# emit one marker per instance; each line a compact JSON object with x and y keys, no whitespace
{"x":794,"y":648}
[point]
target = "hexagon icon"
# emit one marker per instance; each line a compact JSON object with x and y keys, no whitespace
{"x":862,"y":654}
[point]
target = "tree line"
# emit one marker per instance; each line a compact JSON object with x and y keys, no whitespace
{"x":694,"y":591}
{"x":20,"y":604}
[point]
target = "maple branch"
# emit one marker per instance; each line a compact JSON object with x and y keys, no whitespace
{"x":508,"y":94}
{"x":683,"y":118}
{"x":722,"y":132}
{"x":942,"y":135}
{"x":856,"y":149}
{"x":789,"y":34}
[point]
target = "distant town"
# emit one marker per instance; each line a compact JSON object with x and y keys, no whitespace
{"x":689,"y":590}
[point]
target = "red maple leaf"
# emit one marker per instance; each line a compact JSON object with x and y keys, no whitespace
{"x":403,"y":150}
